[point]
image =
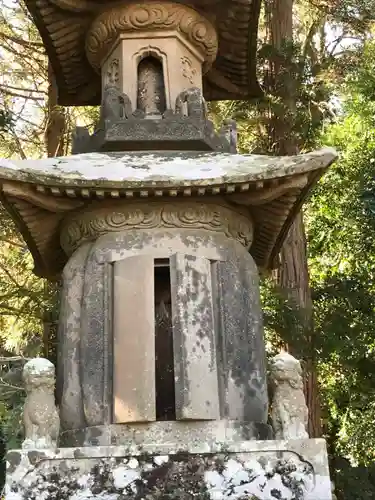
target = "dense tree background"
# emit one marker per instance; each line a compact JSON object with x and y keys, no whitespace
{"x":316,"y":62}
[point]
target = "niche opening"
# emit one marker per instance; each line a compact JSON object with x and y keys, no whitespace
{"x":164,"y":359}
{"x":151,"y":89}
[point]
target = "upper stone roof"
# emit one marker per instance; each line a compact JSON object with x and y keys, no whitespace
{"x":39,"y":193}
{"x":63,"y":25}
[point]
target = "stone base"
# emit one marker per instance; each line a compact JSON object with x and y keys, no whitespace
{"x":251,"y":470}
{"x":185,"y":433}
{"x":174,"y":133}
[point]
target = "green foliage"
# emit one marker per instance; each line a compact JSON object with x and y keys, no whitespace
{"x":341,"y":236}
{"x":297,"y":93}
{"x":353,"y":483}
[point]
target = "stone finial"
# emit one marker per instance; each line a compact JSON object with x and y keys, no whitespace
{"x":40,"y":416}
{"x":289,"y":411}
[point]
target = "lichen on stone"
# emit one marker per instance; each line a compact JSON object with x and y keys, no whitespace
{"x":173,"y":168}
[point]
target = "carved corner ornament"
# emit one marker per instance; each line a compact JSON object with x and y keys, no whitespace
{"x":40,"y":416}
{"x":136,"y":17}
{"x":188,"y":71}
{"x":289,"y":411}
{"x":112,"y":78}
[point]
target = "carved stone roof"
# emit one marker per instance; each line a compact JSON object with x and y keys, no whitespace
{"x":63,"y":25}
{"x":39,"y":193}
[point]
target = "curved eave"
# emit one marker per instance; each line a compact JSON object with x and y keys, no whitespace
{"x":233,"y":75}
{"x":273,"y":189}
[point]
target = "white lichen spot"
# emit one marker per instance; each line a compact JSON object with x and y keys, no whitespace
{"x":214,"y":480}
{"x":133,"y":463}
{"x":124,"y":477}
{"x":232,"y":467}
{"x":161,"y":459}
{"x":13,"y":495}
{"x":240,"y":480}
{"x":171,"y":168}
{"x":84,"y":481}
{"x":255,"y":468}
{"x":148,"y":467}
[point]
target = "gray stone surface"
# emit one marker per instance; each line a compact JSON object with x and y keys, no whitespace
{"x":282,"y":470}
{"x":134,"y":340}
{"x":195,"y":367}
{"x":69,"y":382}
{"x":93,"y":341}
{"x":270,"y":189}
{"x":161,"y":169}
{"x":240,"y":347}
{"x":184,"y":128}
{"x":181,"y":133}
{"x":242,"y":388}
{"x":185,"y":432}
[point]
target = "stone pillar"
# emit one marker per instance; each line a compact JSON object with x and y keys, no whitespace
{"x":215,"y":322}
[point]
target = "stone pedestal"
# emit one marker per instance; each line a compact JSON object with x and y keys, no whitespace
{"x":251,"y":470}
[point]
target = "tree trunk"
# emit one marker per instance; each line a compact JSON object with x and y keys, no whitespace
{"x":55,"y":146}
{"x":292,"y":272}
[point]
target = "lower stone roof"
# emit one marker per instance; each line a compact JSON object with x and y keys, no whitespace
{"x":40,"y":193}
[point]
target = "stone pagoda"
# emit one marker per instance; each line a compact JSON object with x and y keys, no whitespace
{"x":158,"y":229}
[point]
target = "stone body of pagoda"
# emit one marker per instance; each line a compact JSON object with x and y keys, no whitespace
{"x":158,"y":229}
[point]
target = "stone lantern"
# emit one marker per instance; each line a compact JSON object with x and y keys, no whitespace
{"x":158,"y":230}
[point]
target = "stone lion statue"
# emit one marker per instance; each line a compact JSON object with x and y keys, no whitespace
{"x":289,"y":411}
{"x":40,"y":416}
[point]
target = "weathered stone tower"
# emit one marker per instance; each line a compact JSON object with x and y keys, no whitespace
{"x":158,"y":229}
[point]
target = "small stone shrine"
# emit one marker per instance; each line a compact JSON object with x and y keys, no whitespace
{"x":158,"y":230}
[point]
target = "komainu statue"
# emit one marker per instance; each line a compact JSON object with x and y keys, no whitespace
{"x":195,"y":104}
{"x":115,"y":105}
{"x":40,"y":416}
{"x":289,"y":411}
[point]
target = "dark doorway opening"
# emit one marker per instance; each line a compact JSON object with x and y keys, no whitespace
{"x":164,"y":359}
{"x":151,"y":89}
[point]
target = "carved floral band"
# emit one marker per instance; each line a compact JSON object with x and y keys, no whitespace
{"x":89,"y":226}
{"x":110,"y":24}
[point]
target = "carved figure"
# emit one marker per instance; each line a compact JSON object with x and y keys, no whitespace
{"x":289,"y":411}
{"x":40,"y":416}
{"x":191,"y":99}
{"x":113,"y":77}
{"x":115,"y":105}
